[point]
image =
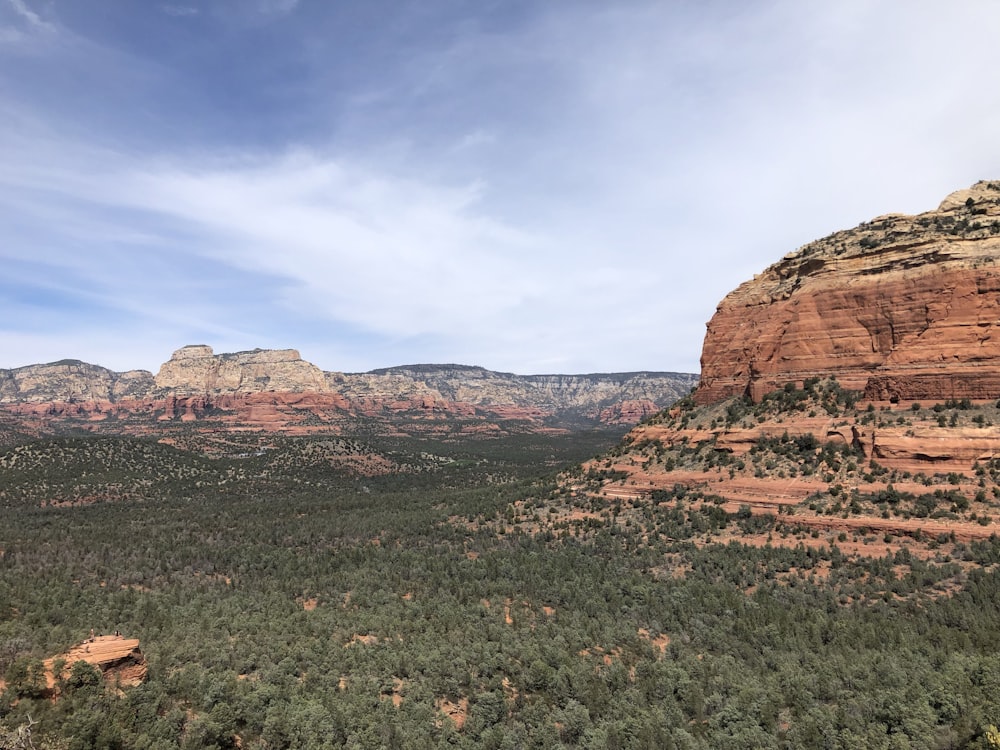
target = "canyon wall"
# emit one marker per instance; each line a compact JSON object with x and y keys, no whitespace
{"x":262,"y":387}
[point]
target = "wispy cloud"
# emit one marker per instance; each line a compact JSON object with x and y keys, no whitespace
{"x":548,"y":187}
{"x":179,"y":10}
{"x":36,"y":21}
{"x":20,"y":27}
{"x":475,"y":139}
{"x":384,"y":252}
{"x":277,"y":7}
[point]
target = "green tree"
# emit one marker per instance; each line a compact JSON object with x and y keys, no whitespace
{"x":26,"y":677}
{"x":83,"y":675}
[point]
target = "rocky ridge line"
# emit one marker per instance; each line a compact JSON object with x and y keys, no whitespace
{"x":267,"y":389}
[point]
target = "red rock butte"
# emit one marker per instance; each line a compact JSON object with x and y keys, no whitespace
{"x":901,"y":307}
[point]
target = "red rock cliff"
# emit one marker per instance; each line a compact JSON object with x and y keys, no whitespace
{"x":902,"y":306}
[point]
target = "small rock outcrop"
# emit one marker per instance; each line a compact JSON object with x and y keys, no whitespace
{"x":118,"y":659}
{"x":904,"y":307}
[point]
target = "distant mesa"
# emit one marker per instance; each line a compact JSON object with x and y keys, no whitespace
{"x":196,"y":370}
{"x":903,"y":307}
{"x":71,"y":380}
{"x":277,"y":390}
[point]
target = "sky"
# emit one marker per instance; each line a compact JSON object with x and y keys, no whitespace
{"x":533,"y":187}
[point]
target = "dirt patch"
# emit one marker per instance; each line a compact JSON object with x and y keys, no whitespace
{"x":361,"y":640}
{"x":395,"y":695}
{"x":457,"y":712}
{"x":660,"y":642}
{"x":510,"y":691}
{"x":606,"y":657}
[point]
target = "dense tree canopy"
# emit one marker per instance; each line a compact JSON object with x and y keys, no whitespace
{"x":284,"y":603}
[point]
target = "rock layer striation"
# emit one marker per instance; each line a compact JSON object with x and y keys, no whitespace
{"x":197,"y":370}
{"x":277,"y":390}
{"x":901,"y":307}
{"x":849,"y":390}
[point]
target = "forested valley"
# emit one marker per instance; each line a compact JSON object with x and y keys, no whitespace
{"x":285,"y":599}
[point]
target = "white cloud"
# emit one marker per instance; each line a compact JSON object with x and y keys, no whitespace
{"x":475,"y":139}
{"x":35,"y":20}
{"x":22,"y":28}
{"x":179,"y":10}
{"x":385,"y":253}
{"x":574,"y":190}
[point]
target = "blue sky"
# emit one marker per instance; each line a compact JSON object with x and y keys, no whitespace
{"x":528,"y":186}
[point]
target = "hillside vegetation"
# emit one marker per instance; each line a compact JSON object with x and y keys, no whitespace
{"x":811,"y":459}
{"x":287,"y":597}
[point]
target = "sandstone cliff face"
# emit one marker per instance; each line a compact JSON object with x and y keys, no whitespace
{"x":196,"y":370}
{"x":586,"y":394}
{"x":903,"y":309}
{"x":69,"y":381}
{"x":813,"y":459}
{"x":278,"y":390}
{"x":902,"y":306}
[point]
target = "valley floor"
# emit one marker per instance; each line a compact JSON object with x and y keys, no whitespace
{"x":284,"y":600}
